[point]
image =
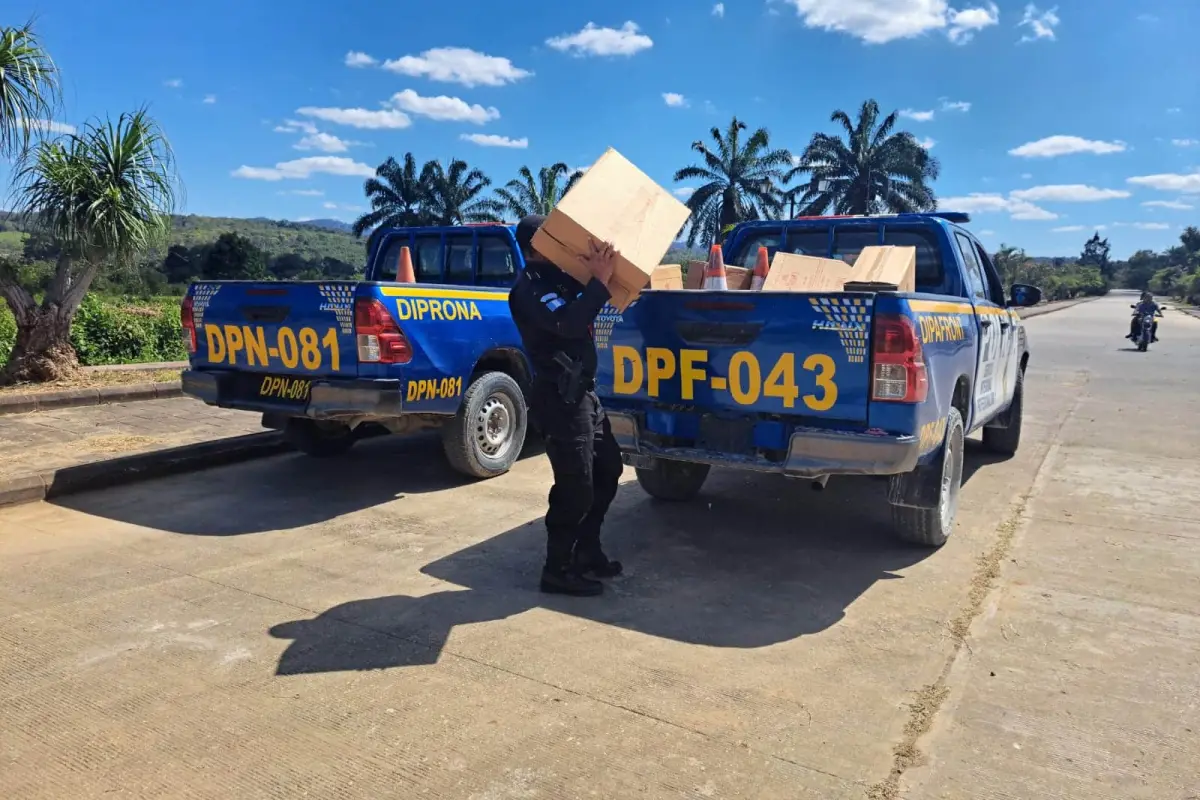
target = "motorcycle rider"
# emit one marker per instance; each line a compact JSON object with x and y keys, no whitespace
{"x":1146,"y":306}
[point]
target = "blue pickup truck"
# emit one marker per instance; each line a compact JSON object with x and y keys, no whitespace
{"x":328,"y":362}
{"x":816,"y":385}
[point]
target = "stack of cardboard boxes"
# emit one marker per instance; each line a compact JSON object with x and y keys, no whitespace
{"x":618,"y":203}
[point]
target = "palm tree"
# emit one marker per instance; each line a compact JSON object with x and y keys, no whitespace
{"x":453,"y":194}
{"x":878,"y":170}
{"x":29,"y":88}
{"x":397,"y":194}
{"x":104,"y":195}
{"x":527,"y":195}
{"x":742,"y":180}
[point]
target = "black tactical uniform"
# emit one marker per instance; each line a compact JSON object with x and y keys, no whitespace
{"x":554,"y":314}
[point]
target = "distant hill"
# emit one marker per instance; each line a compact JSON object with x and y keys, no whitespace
{"x":312,"y":239}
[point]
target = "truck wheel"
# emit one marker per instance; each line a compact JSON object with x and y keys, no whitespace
{"x":1006,"y":440}
{"x":487,"y":434}
{"x":672,"y":480}
{"x":931,"y":527}
{"x":319,"y":439}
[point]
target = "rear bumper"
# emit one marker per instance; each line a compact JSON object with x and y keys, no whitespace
{"x":811,"y":453}
{"x":328,"y":399}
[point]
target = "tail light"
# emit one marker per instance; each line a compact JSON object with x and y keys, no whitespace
{"x":380,"y":340}
{"x":188,"y":321}
{"x":899,"y":374}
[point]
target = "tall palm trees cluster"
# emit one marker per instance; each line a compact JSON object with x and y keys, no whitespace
{"x":103,"y":194}
{"x":874,"y":169}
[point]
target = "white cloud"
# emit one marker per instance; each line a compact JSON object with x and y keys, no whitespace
{"x":1026,"y":176}
{"x":209,"y":99}
{"x":50,"y":126}
{"x":359,"y":117}
{"x":1041,"y":24}
{"x":987,"y":233}
{"x":296,"y":126}
{"x":927,"y":142}
{"x":966,"y":23}
{"x":492,"y":140}
{"x":306,"y":167}
{"x":1186,"y":142}
{"x":1152,"y":226}
{"x":1068,"y":193}
{"x":882,"y":21}
{"x":957,"y":105}
{"x":917,"y":116}
{"x":596,"y":41}
{"x":442,"y":108}
{"x":1172,"y":204}
{"x":325,"y":142}
{"x":173,"y":83}
{"x":718,"y":10}
{"x":984,"y":203}
{"x":1169,"y":182}
{"x":1175,"y":110}
{"x":684,"y":192}
{"x":304,"y":192}
{"x":674,"y":100}
{"x":1068,"y":229}
{"x":341,"y":207}
{"x":458,"y":65}
{"x":1053,"y":146}
{"x":358,"y":59}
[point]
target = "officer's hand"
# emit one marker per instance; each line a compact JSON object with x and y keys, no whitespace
{"x":600,"y":259}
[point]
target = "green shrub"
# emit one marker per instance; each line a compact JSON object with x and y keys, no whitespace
{"x":8,"y":332}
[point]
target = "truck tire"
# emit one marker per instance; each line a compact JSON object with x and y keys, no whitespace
{"x":931,"y":527}
{"x":487,"y":434}
{"x":672,"y":480}
{"x":319,"y":439}
{"x":1006,"y":440}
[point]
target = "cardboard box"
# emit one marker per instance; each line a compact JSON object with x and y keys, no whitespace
{"x":617,"y":203}
{"x":877,"y":269}
{"x":668,"y":276}
{"x":884,"y":269}
{"x":795,"y":273}
{"x":735,"y":277}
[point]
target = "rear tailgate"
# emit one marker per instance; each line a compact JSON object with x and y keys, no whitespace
{"x":739,"y":355}
{"x":277,"y":328}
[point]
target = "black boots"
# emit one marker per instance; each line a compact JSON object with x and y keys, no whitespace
{"x":559,"y":580}
{"x":569,"y":577}
{"x":591,"y":559}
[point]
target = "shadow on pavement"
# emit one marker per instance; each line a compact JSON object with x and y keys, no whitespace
{"x":281,"y":492}
{"x":754,"y":561}
{"x":977,"y":457}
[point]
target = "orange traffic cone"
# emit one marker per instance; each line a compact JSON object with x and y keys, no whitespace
{"x":761,"y":267}
{"x":404,"y":267}
{"x":714,"y":274}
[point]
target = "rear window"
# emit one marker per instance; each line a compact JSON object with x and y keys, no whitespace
{"x":848,"y":242}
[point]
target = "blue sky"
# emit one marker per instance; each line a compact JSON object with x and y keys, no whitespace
{"x":1045,"y":117}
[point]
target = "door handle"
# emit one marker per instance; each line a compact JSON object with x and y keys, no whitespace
{"x":985,"y":323}
{"x":1005,"y":324}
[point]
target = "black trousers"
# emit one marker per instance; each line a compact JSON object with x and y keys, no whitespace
{"x":587,"y":466}
{"x":1135,"y":329}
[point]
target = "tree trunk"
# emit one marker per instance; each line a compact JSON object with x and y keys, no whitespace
{"x":43,"y":350}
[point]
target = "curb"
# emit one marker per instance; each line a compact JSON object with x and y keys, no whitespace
{"x":74,"y":398}
{"x":50,"y":484}
{"x":1038,"y":311}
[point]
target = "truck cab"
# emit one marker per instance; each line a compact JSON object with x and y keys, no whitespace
{"x":330,"y":361}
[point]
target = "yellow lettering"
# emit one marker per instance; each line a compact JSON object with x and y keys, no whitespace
{"x":403,"y":310}
{"x":689,"y":372}
{"x":660,"y":366}
{"x":745,"y":392}
{"x":825,"y":368}
{"x":233,"y":335}
{"x":412,"y":391}
{"x":289,"y":350}
{"x":256,"y":345}
{"x":781,"y":382}
{"x":622,"y":355}
{"x":435,"y":309}
{"x":216,"y":344}
{"x":422,"y":307}
{"x":475,"y":311}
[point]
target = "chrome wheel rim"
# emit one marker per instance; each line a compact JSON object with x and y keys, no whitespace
{"x":948,"y":501}
{"x":494,"y":426}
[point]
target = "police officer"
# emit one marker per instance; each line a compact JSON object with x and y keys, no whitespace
{"x":554,"y":314}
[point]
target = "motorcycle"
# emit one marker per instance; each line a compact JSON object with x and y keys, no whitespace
{"x":1145,"y":329}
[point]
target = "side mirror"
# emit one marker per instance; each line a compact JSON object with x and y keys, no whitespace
{"x":1023,"y":295}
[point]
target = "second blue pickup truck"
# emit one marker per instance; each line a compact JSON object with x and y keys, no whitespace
{"x":808,"y":385}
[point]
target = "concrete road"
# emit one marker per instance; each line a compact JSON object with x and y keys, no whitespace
{"x":369,"y":628}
